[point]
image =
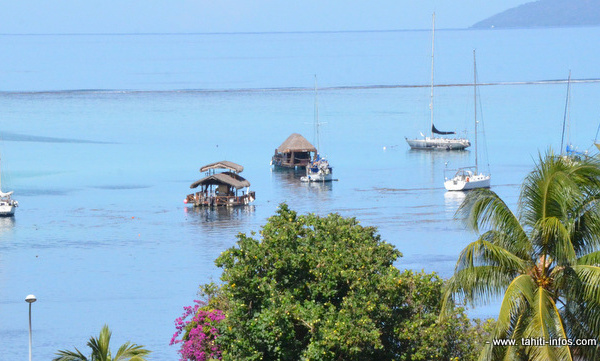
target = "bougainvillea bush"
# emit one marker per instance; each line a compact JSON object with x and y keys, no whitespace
{"x":198,"y":332}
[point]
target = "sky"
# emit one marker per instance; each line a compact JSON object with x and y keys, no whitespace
{"x":216,"y":16}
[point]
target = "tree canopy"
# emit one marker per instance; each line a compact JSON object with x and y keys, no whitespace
{"x":326,"y":288}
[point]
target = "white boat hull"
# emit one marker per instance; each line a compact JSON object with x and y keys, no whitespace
{"x":462,"y":183}
{"x":7,"y":204}
{"x":318,"y":171}
{"x":428,"y":143}
{"x":317,"y":178}
{"x":7,"y":210}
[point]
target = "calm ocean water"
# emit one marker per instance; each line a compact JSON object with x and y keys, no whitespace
{"x":102,"y":135}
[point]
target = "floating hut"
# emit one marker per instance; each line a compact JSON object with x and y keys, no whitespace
{"x":226,"y":188}
{"x":296,"y":151}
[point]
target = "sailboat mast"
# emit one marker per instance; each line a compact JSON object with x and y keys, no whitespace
{"x":432,"y":48}
{"x":565,"y":118}
{"x":475,"y":107}
{"x":317,"y":117}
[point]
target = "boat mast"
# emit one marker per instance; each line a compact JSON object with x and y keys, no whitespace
{"x":431,"y":99}
{"x":475,"y":104}
{"x":317,"y":117}
{"x":566,"y":116}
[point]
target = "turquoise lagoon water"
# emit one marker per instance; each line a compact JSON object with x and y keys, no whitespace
{"x":102,"y":135}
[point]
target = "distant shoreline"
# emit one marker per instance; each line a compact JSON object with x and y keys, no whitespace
{"x":545,"y":14}
{"x":471,"y":28}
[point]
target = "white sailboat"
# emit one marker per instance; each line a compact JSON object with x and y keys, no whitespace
{"x":469,"y":177}
{"x":7,"y":204}
{"x":319,"y":169}
{"x":569,"y":149}
{"x":432,"y":142}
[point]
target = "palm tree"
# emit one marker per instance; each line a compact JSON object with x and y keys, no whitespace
{"x":101,"y":352}
{"x":544,"y":261}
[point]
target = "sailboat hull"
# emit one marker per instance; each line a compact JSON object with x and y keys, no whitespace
{"x":428,"y":143}
{"x":465,"y":183}
{"x":7,"y":209}
{"x":7,"y":204}
{"x":319,"y":171}
{"x":317,"y":177}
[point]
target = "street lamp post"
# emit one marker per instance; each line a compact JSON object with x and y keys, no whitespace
{"x":30,"y":299}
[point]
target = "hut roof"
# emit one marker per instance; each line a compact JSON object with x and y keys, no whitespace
{"x":224,"y":164}
{"x":228,"y":178}
{"x":296,"y":143}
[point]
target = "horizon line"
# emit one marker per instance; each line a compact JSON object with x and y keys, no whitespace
{"x":237,"y":32}
{"x":472,"y":27}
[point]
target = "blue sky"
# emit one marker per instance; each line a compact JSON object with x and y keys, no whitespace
{"x":175,"y":16}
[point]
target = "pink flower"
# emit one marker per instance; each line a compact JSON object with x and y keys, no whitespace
{"x":199,"y":336}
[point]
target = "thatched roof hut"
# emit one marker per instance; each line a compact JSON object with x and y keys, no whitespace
{"x":226,"y":178}
{"x":224,"y":164}
{"x":294,"y":152}
{"x":224,"y":188}
{"x":296,"y":143}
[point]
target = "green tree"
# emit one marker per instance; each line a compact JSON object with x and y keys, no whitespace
{"x":325,"y":288}
{"x":424,"y":337}
{"x":544,"y":261}
{"x":101,"y":351}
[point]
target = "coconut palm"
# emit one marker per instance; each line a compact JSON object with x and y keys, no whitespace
{"x":101,"y":351}
{"x":544,"y":261}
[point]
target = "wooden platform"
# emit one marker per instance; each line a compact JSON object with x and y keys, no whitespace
{"x":200,"y":199}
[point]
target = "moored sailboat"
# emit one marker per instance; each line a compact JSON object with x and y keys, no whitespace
{"x":470,"y":177}
{"x":319,"y":169}
{"x":567,"y":149}
{"x":433,"y":142}
{"x":7,"y":204}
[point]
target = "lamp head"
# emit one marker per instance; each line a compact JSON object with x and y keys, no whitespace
{"x":30,"y":299}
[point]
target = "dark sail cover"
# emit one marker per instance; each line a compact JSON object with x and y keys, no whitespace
{"x":433,"y":129}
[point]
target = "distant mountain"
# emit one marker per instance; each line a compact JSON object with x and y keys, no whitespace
{"x":546,"y":13}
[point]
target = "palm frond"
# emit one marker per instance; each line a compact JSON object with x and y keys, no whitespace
{"x":582,"y":321}
{"x":518,"y":296}
{"x":483,"y":271}
{"x":100,"y":346}
{"x":63,"y":355}
{"x":586,"y":225}
{"x":131,"y":352}
{"x":546,"y":324}
{"x":487,"y":353}
{"x":587,"y":173}
{"x":476,"y":285}
{"x":590,"y":259}
{"x":508,"y":353}
{"x":578,"y":288}
{"x":548,"y":190}
{"x":521,"y":319}
{"x":569,"y":191}
{"x":533,"y":197}
{"x":555,"y":240}
{"x":483,"y":209}
{"x":101,"y":350}
{"x":485,"y":253}
{"x":590,"y":279}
